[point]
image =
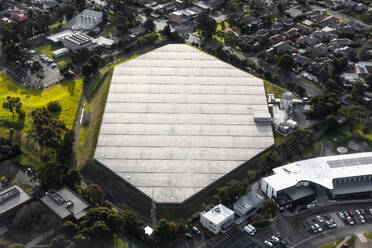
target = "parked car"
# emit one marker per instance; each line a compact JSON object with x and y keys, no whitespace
{"x":362,"y":219}
{"x":334,"y":225}
{"x":311,"y":205}
{"x":350,"y":220}
{"x":370,"y":210}
{"x":319,"y":219}
{"x":249,"y":230}
{"x":195,"y":230}
{"x":362,"y":211}
{"x":357,"y":211}
{"x":275,"y":240}
{"x":329,"y":225}
{"x":318,"y":228}
{"x":313,"y":229}
{"x":346,"y":214}
{"x":345,"y":246}
{"x":188,"y":236}
{"x":351,"y":214}
{"x":283,"y":243}
{"x":341,"y":215}
{"x":268,"y":243}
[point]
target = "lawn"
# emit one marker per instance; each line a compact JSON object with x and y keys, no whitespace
{"x":331,"y":244}
{"x":47,"y":50}
{"x":343,"y":134}
{"x":119,"y":243}
{"x":271,"y":88}
{"x":368,"y":235}
{"x":67,"y":94}
{"x":55,"y":25}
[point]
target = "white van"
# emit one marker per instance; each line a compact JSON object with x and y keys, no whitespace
{"x":250,"y":229}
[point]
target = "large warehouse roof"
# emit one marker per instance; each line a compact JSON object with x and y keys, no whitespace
{"x":177,"y":119}
{"x":321,"y":170}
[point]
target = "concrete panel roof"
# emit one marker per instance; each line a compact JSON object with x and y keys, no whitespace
{"x":177,"y":119}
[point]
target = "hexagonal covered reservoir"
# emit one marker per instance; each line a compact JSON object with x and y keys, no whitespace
{"x":177,"y":119}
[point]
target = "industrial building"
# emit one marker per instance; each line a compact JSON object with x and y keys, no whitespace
{"x":60,"y":52}
{"x":66,"y":204}
{"x":86,"y":21}
{"x":11,"y":200}
{"x":218,"y":219}
{"x":248,"y":204}
{"x":341,"y":176}
{"x":177,"y":120}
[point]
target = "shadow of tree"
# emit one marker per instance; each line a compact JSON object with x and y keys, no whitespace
{"x":18,"y":123}
{"x":70,"y":85}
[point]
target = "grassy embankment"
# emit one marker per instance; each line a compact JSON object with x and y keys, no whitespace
{"x":95,"y":103}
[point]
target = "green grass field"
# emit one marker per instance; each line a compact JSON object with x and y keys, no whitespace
{"x":47,"y":50}
{"x":271,"y":88}
{"x":67,"y":94}
{"x":368,"y":235}
{"x":55,"y":25}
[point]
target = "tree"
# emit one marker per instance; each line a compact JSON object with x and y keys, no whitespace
{"x":69,"y":228}
{"x":286,"y":62}
{"x":340,"y":64}
{"x":36,"y":67}
{"x":54,"y":107}
{"x":149,"y":25}
{"x":48,"y":131}
{"x":324,"y":105}
{"x":369,"y":81}
{"x":60,"y":241}
{"x":96,"y":61}
{"x":230,"y":191}
{"x":270,"y":159}
{"x":165,"y":231}
{"x":87,"y":70}
{"x":13,"y":105}
{"x":358,"y":92}
{"x":51,"y":174}
{"x":206,"y":25}
{"x":166,"y":31}
{"x":186,"y":3}
{"x":94,"y":194}
{"x":268,"y":208}
{"x":331,"y":84}
{"x":355,"y":113}
{"x":68,"y":10}
{"x":331,"y":122}
{"x":231,"y":39}
{"x":132,"y":224}
{"x":65,"y":153}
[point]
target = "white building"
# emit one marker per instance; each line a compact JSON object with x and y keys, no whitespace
{"x":60,"y":52}
{"x":339,"y":176}
{"x":218,"y":219}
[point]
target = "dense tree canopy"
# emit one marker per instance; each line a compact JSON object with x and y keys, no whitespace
{"x":206,"y":25}
{"x":13,"y":105}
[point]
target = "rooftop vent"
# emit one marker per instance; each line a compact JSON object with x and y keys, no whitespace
{"x":56,"y":197}
{"x":8,"y":194}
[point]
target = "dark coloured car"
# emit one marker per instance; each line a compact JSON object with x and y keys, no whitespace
{"x":188,"y":236}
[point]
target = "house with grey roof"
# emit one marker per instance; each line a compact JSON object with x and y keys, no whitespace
{"x":66,"y":204}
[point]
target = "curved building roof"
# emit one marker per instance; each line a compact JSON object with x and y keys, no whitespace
{"x":321,"y":170}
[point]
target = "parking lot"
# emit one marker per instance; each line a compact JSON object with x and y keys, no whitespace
{"x":332,"y":220}
{"x":50,"y":72}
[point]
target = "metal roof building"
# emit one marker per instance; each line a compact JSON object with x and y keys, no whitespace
{"x":177,"y":119}
{"x":12,"y":198}
{"x":341,"y":174}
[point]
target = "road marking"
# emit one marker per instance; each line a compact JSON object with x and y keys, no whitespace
{"x":362,"y":238}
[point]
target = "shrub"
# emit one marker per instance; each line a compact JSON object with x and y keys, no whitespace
{"x":54,"y":106}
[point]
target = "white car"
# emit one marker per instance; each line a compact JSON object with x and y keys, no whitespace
{"x":350,"y":220}
{"x":357,"y":211}
{"x":332,"y":221}
{"x":249,"y":230}
{"x":318,"y":218}
{"x":370,"y":210}
{"x":268,"y":243}
{"x":318,"y":228}
{"x":341,"y":215}
{"x":275,"y":239}
{"x":362,"y":219}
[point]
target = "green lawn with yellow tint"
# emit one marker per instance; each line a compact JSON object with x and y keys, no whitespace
{"x":67,"y":94}
{"x":47,"y":50}
{"x":271,"y":88}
